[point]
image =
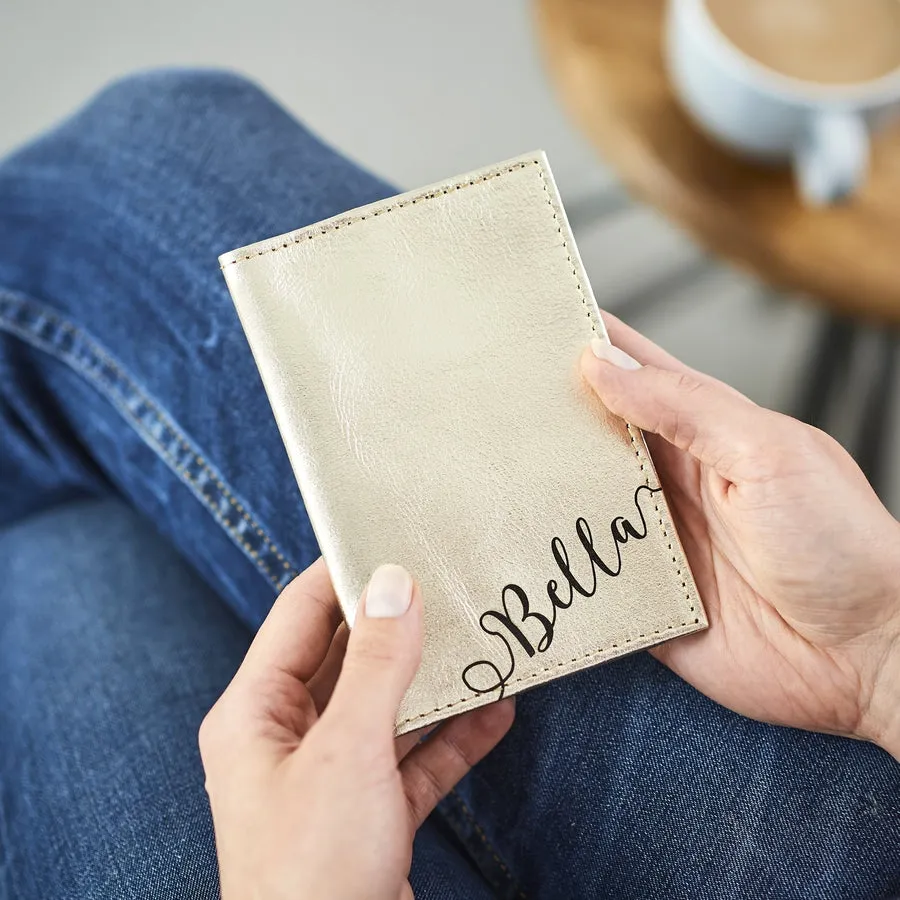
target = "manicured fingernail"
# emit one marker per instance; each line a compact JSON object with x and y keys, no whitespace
{"x":605,"y":351}
{"x":390,"y":592}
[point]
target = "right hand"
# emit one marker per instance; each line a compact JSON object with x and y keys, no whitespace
{"x":795,"y":557}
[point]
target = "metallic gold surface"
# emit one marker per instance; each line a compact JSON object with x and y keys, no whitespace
{"x":421,"y":358}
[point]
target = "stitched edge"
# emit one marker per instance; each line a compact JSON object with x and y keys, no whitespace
{"x":479,"y":831}
{"x":94,"y":350}
{"x":310,"y":233}
{"x":642,"y":458}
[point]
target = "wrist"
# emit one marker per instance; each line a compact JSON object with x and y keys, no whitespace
{"x":880,"y":721}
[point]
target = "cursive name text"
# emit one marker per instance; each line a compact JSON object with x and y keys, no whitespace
{"x":518,"y":628}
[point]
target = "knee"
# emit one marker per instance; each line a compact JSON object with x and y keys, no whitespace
{"x":171,"y":96}
{"x":168,"y":85}
{"x":178,"y":120}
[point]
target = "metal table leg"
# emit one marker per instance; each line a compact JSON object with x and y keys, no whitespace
{"x":831,"y":368}
{"x":827,"y":371}
{"x":873,"y":437}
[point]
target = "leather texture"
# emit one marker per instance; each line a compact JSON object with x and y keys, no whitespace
{"x":421,"y":358}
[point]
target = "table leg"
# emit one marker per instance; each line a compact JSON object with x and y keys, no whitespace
{"x":831,"y":368}
{"x":873,"y":438}
{"x":827,"y":371}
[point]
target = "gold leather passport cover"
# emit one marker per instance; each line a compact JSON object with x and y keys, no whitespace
{"x":421,"y":358}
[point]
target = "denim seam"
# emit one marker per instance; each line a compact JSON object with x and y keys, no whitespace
{"x":87,"y":358}
{"x":470,"y":816}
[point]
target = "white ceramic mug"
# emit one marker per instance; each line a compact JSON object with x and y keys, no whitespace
{"x":823,"y":129}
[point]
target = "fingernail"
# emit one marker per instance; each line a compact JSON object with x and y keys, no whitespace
{"x":605,"y":351}
{"x":390,"y":592}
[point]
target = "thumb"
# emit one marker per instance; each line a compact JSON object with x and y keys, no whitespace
{"x":695,"y":413}
{"x":383,"y":653}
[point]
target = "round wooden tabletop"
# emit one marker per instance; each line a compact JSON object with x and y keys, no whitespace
{"x":606,"y":57}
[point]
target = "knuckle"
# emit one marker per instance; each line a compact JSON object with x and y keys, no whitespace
{"x":424,"y":789}
{"x":763,"y":443}
{"x":685,"y":382}
{"x":371,"y":653}
{"x":300,"y":592}
{"x":675,"y":425}
{"x":674,"y":422}
{"x":682,"y":430}
{"x":281,"y":702}
{"x":781,"y":441}
{"x":312,"y":588}
{"x":813,"y":440}
{"x":209,"y":734}
{"x":458,"y":756}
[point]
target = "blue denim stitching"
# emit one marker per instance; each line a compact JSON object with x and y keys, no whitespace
{"x":501,"y":872}
{"x":44,"y":329}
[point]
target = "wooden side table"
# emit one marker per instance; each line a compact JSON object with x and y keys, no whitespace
{"x":606,"y":57}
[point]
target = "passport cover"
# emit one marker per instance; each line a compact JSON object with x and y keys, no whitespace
{"x":421,"y":358}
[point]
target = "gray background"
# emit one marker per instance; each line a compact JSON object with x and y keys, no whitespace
{"x":419,"y":90}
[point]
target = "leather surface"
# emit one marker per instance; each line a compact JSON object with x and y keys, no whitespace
{"x":421,"y":358}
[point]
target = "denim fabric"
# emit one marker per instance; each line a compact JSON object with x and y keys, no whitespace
{"x":111,"y":650}
{"x":123,"y":371}
{"x":112,"y":305}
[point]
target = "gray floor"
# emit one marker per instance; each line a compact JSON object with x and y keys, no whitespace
{"x":419,"y":90}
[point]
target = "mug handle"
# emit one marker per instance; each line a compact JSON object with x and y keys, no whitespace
{"x":832,"y":157}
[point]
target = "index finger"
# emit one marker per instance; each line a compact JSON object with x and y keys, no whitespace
{"x":297,"y":633}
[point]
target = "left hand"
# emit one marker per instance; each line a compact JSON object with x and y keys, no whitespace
{"x":794,"y":555}
{"x":311,"y":794}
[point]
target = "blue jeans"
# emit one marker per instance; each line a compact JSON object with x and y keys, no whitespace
{"x":125,"y":378}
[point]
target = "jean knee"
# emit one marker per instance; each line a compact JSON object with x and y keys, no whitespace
{"x":177,"y":86}
{"x":169,"y":98}
{"x":178,"y":124}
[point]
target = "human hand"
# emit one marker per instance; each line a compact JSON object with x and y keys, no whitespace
{"x":311,"y":794}
{"x":796,"y":559}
